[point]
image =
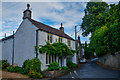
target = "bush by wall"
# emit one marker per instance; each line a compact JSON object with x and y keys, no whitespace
{"x":70,"y":64}
{"x":33,"y":64}
{"x":4,"y":64}
{"x":34,"y":74}
{"x":53,"y":66}
{"x":15,"y":69}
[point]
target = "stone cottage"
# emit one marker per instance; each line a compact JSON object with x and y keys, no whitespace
{"x":20,"y":46}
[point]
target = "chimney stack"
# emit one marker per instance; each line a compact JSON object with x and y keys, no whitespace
{"x":62,"y":28}
{"x":27,"y":12}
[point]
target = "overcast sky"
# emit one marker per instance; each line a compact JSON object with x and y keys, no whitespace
{"x":50,"y":13}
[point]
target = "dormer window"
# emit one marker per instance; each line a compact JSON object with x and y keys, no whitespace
{"x":49,"y":38}
{"x":60,"y":39}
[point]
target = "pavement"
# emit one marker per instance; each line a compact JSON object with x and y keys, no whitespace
{"x":92,"y":71}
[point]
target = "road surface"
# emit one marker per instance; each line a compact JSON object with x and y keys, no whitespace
{"x":92,"y":71}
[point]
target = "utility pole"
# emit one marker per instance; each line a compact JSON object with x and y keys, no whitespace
{"x":76,"y":42}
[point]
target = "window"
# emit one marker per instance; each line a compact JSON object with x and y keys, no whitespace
{"x":69,"y":43}
{"x":60,"y":39}
{"x":47,"y":58}
{"x":49,"y":38}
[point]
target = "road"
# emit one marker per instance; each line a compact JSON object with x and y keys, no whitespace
{"x":92,"y":71}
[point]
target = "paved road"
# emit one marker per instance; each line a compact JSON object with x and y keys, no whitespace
{"x":93,"y":70}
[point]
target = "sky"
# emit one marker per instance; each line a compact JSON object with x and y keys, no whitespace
{"x":70,"y":13}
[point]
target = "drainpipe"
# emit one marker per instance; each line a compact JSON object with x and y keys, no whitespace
{"x":13,"y":50}
{"x":36,"y":42}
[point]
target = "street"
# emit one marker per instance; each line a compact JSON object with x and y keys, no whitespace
{"x":92,"y":71}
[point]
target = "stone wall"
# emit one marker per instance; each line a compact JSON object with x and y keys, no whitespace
{"x":55,"y":73}
{"x":111,"y":60}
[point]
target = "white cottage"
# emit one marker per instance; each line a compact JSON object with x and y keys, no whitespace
{"x":20,"y":46}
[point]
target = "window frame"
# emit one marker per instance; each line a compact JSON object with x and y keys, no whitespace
{"x":60,"y":39}
{"x":69,"y":42}
{"x":50,"y":38}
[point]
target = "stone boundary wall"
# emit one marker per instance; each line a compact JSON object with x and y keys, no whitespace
{"x":111,"y":60}
{"x":55,"y":73}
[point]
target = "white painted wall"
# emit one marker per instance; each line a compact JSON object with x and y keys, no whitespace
{"x":25,"y":40}
{"x":7,"y":49}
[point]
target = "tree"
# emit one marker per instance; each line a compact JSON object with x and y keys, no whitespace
{"x":95,"y":14}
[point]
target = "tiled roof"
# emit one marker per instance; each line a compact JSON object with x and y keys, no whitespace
{"x":50,"y":29}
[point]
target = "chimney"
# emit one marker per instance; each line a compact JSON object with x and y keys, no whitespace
{"x":61,"y":28}
{"x":27,"y":12}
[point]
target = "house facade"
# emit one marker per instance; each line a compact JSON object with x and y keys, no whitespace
{"x":20,"y":46}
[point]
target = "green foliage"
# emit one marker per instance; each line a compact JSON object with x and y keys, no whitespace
{"x":53,"y":66}
{"x":65,"y":67}
{"x":0,"y":64}
{"x":34,"y":74}
{"x":95,"y":14}
{"x":70,"y":64}
{"x":103,"y":21}
{"x":104,"y":60}
{"x":106,"y":40}
{"x":14,"y":69}
{"x":33,"y":64}
{"x":56,"y":48}
{"x":36,"y":51}
{"x":88,"y":50}
{"x":4,"y":64}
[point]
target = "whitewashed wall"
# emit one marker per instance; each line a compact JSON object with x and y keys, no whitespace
{"x":25,"y":40}
{"x":7,"y":49}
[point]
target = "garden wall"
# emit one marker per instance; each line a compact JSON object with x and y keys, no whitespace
{"x":111,"y":60}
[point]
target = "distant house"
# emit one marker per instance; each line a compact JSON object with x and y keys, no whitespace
{"x":20,"y":46}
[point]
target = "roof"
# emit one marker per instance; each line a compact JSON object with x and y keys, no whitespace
{"x":11,"y":36}
{"x":50,"y":29}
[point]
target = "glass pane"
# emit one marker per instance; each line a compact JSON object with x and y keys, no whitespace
{"x":49,"y":59}
{"x":50,"y":38}
{"x":46,"y":58}
{"x":61,"y":40}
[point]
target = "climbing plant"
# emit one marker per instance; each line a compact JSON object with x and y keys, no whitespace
{"x":60,"y":49}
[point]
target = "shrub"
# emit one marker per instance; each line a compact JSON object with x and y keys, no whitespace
{"x":70,"y":64}
{"x":53,"y":66}
{"x":14,"y":69}
{"x":0,"y":64}
{"x":34,"y":74}
{"x":65,"y":67}
{"x":4,"y":64}
{"x":10,"y":69}
{"x":56,"y":64}
{"x":33,"y":64}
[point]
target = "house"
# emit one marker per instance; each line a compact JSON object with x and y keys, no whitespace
{"x":20,"y":46}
